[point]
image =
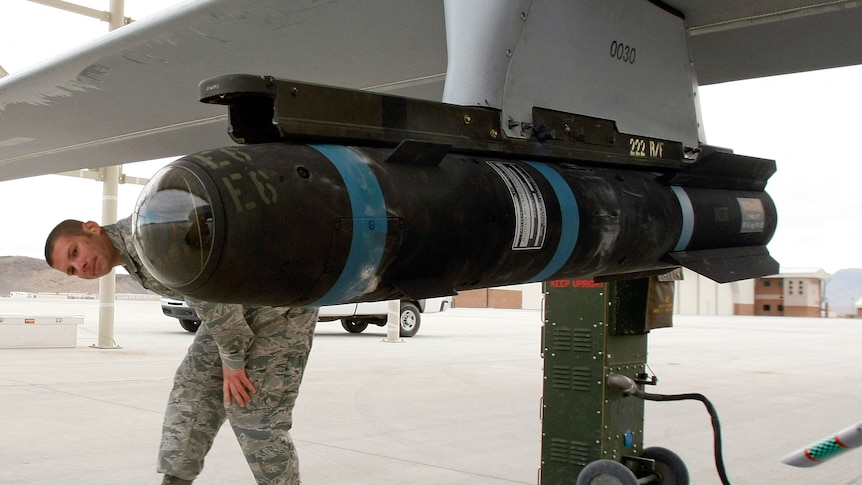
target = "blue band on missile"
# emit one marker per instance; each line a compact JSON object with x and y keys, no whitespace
{"x":369,"y":225}
{"x":687,"y":218}
{"x":570,"y":221}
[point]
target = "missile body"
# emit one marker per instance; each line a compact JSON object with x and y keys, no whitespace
{"x":829,"y":447}
{"x":298,"y":224}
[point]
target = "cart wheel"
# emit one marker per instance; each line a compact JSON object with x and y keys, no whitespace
{"x":668,"y":465}
{"x":606,"y":472}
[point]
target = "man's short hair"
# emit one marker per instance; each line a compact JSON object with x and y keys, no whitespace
{"x":69,"y":227}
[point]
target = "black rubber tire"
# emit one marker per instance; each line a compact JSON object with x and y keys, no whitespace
{"x":190,"y":326}
{"x":408,"y":323}
{"x":353,"y":326}
{"x":606,"y":472}
{"x":669,"y":466}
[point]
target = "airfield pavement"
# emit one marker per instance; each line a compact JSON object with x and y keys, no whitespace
{"x":458,"y":404}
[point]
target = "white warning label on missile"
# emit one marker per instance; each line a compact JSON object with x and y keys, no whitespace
{"x":753,"y":216}
{"x":531,"y":217}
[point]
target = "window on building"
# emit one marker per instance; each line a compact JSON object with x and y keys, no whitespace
{"x":767,"y":308}
{"x":781,"y":308}
{"x":767,"y":283}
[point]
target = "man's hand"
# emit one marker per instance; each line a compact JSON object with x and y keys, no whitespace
{"x":237,"y":387}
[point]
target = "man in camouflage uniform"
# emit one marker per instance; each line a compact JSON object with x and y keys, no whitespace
{"x":237,"y":352}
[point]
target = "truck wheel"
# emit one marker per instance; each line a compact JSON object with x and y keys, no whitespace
{"x":353,"y":326}
{"x":410,"y":318}
{"x":190,"y":325}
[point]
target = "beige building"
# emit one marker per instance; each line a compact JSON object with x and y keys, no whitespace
{"x":699,"y":295}
{"x":795,"y":292}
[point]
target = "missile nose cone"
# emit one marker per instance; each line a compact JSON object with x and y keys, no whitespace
{"x":174,"y":226}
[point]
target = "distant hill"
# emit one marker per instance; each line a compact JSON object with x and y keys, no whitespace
{"x":844,"y":290}
{"x":20,"y":273}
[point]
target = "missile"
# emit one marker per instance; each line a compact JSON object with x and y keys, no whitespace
{"x":285,"y":223}
{"x":829,"y":447}
{"x":341,"y":215}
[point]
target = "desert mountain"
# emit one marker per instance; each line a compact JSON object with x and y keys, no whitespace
{"x":21,"y":273}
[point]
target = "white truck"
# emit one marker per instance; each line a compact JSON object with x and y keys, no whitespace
{"x":354,"y":317}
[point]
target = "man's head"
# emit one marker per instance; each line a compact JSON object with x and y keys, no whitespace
{"x":81,"y":249}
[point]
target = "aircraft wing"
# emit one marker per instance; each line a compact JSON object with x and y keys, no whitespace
{"x":731,"y":40}
{"x":132,"y":95}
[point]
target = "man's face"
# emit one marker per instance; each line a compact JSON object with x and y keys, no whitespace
{"x":88,"y":256}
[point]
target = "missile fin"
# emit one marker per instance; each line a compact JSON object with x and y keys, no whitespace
{"x":728,"y":264}
{"x":415,"y":152}
{"x":724,"y":170}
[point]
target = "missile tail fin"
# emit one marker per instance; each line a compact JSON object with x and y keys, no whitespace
{"x":728,"y":264}
{"x":724,"y":170}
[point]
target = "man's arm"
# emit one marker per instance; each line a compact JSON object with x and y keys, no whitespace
{"x":231,"y":332}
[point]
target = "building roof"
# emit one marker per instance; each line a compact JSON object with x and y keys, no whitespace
{"x":816,"y":273}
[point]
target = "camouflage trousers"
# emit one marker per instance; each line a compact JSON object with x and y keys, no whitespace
{"x":196,"y":407}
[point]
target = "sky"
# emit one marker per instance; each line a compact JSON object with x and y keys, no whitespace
{"x":809,"y":123}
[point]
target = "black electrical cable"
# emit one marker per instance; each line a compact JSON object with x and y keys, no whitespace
{"x":713,"y":414}
{"x":630,"y":388}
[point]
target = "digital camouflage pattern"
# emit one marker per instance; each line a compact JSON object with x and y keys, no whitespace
{"x":271,"y":343}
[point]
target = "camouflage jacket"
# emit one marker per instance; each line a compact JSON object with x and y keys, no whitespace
{"x":226,"y":321}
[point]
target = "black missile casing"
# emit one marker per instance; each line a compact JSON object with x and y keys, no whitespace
{"x":298,"y":224}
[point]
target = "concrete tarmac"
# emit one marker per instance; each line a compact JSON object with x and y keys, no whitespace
{"x":457,"y":404}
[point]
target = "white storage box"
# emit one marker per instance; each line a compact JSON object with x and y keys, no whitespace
{"x":36,"y":331}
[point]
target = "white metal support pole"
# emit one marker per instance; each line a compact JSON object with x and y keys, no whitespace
{"x":393,"y":322}
{"x":75,"y":8}
{"x":118,"y":14}
{"x":110,"y":184}
{"x":107,"y":283}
